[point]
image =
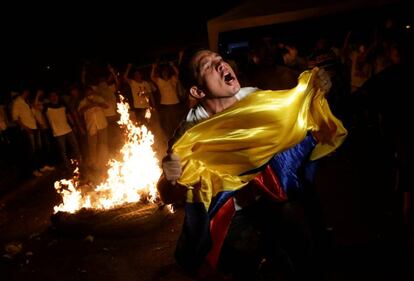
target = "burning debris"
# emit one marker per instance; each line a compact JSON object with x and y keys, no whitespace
{"x":129,"y":189}
{"x":128,"y":180}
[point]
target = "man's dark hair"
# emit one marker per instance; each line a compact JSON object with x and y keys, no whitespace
{"x":188,"y":72}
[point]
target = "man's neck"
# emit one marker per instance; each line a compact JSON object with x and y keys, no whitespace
{"x":213,"y":106}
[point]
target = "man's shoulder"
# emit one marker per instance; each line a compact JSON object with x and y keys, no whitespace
{"x":18,"y":99}
{"x":54,"y":106}
{"x":132,"y":82}
{"x":83,"y":102}
{"x":245,"y":91}
{"x":18,"y":102}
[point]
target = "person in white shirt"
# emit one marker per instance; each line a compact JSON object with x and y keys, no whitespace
{"x":106,"y":88}
{"x":170,"y":109}
{"x":92,"y":108}
{"x":23,"y":115}
{"x":107,"y":92}
{"x":142,"y":94}
{"x":58,"y":117}
{"x":79,"y":128}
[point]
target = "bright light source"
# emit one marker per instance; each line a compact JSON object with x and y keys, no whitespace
{"x":48,"y":67}
{"x":408,"y":26}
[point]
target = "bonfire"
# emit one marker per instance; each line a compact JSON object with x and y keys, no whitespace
{"x":130,"y":179}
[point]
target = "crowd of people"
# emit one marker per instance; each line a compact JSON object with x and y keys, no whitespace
{"x":42,"y":131}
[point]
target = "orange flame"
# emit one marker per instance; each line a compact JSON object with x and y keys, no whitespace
{"x":127,"y":181}
{"x":147,"y":113}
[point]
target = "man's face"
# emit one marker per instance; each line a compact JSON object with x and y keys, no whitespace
{"x":74,"y":93}
{"x":25,"y":94}
{"x":217,"y":78}
{"x":54,"y":98}
{"x":89,"y":93}
{"x":40,"y":93}
{"x":137,"y":76}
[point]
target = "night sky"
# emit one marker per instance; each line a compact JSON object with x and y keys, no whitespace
{"x":51,"y":41}
{"x":46,"y":44}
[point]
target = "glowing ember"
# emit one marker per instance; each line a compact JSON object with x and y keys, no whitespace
{"x":147,"y":113}
{"x":128,"y":181}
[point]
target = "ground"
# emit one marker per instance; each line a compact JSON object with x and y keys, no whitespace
{"x":367,"y":242}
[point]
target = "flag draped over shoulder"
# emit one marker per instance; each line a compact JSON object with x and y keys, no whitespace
{"x":217,"y":152}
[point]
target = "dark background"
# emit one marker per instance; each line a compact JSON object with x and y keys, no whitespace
{"x":46,"y":44}
{"x":51,"y":41}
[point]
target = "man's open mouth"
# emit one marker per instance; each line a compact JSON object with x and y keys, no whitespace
{"x":228,"y":78}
